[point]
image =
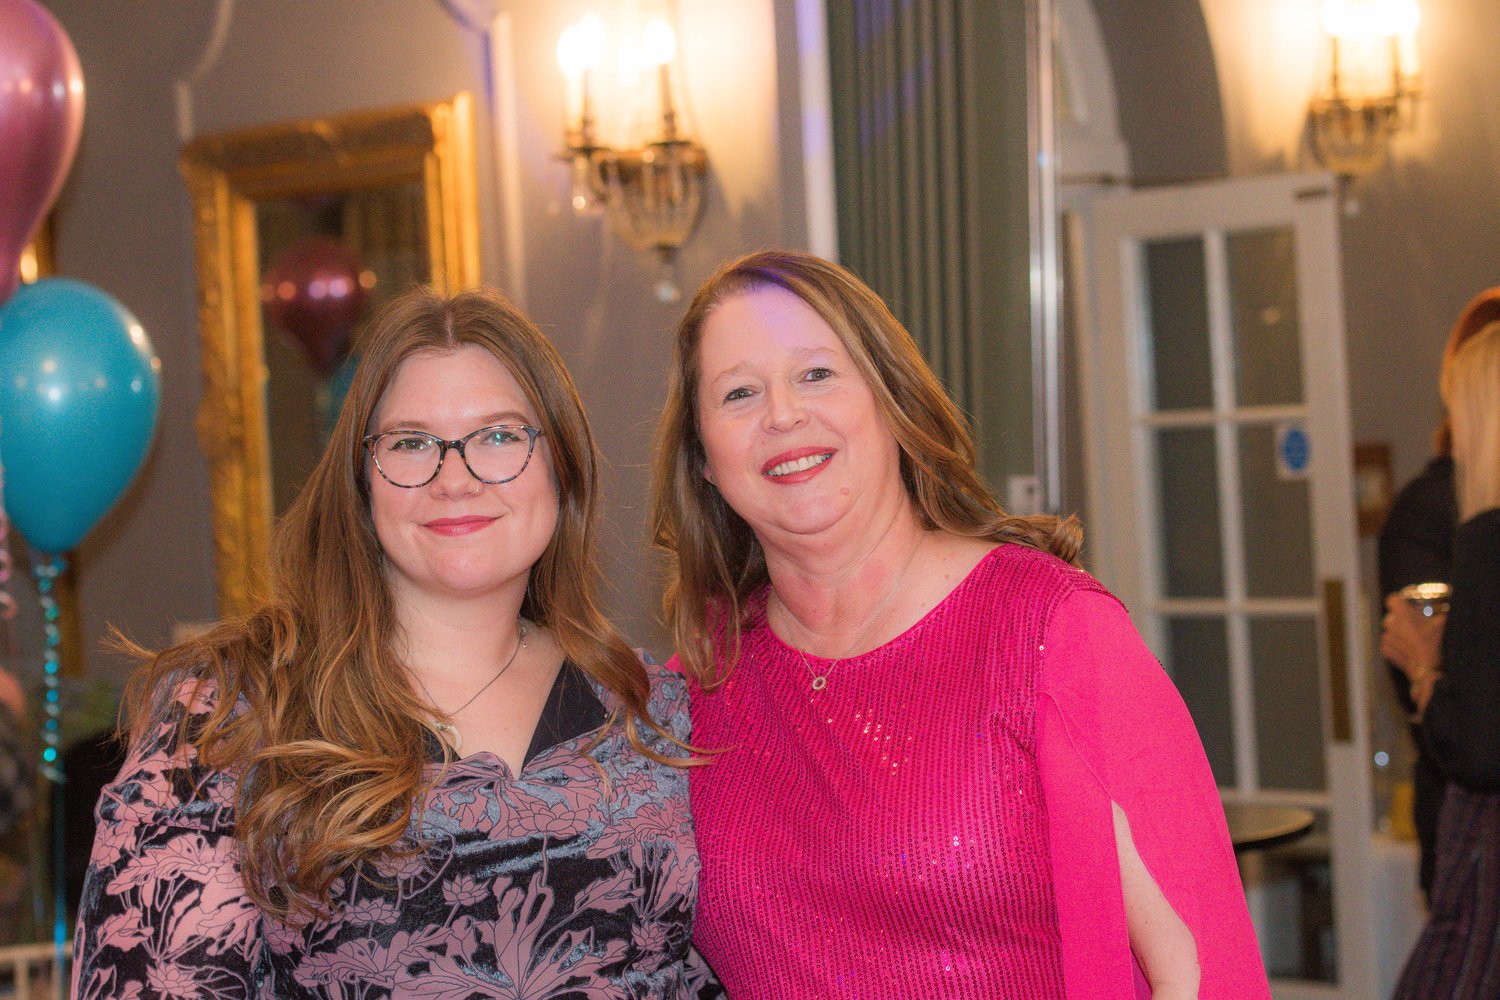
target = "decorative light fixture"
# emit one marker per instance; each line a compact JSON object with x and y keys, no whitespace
{"x":1374,"y":83}
{"x":650,"y":182}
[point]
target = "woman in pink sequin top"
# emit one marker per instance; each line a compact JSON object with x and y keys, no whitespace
{"x":947,"y":767}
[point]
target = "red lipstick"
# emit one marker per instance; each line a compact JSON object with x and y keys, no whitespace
{"x":806,"y":463}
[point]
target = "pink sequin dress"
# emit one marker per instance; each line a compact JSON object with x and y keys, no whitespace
{"x":936,"y":822}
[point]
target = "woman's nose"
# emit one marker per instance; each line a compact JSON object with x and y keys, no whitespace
{"x":453,"y":476}
{"x":783,"y":408}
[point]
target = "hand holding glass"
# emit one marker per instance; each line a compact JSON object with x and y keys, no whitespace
{"x":1428,"y":598}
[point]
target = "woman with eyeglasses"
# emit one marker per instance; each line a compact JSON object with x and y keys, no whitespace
{"x":425,"y":765}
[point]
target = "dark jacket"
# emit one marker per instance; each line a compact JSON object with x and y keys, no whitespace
{"x":1461,"y":727}
{"x":1416,"y":546}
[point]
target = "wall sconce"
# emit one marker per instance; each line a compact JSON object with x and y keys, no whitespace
{"x":1373,"y":83}
{"x":650,"y":184}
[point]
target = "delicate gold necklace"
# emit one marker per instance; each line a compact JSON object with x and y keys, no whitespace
{"x":447,"y":730}
{"x":820,"y":681}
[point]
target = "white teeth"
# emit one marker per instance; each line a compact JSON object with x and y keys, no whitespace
{"x":799,"y":465}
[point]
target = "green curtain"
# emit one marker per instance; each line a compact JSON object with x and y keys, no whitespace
{"x":931,"y":152}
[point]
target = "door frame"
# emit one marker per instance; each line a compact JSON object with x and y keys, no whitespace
{"x":1121,"y":516}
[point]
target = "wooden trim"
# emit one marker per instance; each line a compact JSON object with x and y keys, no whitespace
{"x":227,"y":175}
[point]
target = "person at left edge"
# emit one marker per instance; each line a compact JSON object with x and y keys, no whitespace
{"x":426,"y":765}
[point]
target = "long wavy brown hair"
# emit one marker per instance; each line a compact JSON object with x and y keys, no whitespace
{"x":715,"y":561}
{"x":314,"y":712}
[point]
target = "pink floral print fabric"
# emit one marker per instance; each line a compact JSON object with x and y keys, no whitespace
{"x":551,"y":884}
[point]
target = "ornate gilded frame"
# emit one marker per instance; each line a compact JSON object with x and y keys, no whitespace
{"x":227,"y":174}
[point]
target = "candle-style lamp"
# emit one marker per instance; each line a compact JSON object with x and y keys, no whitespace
{"x":650,"y":188}
{"x":580,"y":52}
{"x":1373,"y":84}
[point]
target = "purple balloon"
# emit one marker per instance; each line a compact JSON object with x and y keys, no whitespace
{"x":315,"y":290}
{"x":41,"y":114}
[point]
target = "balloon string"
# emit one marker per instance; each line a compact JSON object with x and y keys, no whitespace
{"x":46,"y":569}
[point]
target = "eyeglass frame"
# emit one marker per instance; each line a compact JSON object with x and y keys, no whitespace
{"x":532,"y":433}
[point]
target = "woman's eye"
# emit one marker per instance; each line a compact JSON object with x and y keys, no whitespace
{"x":818,"y":374}
{"x":411,"y":443}
{"x":734,"y":394}
{"x":501,"y":435}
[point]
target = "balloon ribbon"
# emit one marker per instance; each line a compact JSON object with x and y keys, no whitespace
{"x":46,"y":569}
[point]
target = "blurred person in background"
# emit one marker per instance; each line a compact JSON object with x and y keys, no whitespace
{"x":1451,"y":665}
{"x":1416,"y":546}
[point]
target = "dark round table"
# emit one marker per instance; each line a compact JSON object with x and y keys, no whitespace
{"x":1256,"y":827}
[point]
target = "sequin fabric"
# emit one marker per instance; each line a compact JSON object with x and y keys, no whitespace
{"x":937,"y":822}
{"x":884,"y":837}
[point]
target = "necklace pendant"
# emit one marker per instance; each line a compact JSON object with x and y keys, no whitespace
{"x":819,"y":683}
{"x":450,"y":734}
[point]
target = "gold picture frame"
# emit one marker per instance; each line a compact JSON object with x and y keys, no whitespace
{"x":425,"y":151}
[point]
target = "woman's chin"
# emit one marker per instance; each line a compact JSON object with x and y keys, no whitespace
{"x":805,"y":526}
{"x":460,"y":582}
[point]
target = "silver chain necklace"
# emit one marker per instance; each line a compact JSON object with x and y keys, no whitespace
{"x":447,"y":730}
{"x":820,"y":681}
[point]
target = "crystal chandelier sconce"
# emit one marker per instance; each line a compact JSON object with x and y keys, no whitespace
{"x":626,"y":141}
{"x":1373,"y":84}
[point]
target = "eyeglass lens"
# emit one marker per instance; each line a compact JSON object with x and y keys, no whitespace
{"x":493,"y":454}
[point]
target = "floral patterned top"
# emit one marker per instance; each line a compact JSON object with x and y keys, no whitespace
{"x":551,"y":883}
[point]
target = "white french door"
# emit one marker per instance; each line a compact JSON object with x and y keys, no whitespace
{"x":1222,"y":513}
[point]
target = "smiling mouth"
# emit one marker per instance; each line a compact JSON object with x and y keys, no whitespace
{"x":799,"y":464}
{"x":453,"y":526}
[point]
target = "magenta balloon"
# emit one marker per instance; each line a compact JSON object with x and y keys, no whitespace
{"x":41,"y":114}
{"x":314,"y":292}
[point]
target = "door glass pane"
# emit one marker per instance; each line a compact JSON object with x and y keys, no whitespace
{"x":1188,"y":502}
{"x":1288,"y":702}
{"x":1263,"y":302}
{"x":1197,"y":657}
{"x":1277,"y":520}
{"x":1177,"y":324}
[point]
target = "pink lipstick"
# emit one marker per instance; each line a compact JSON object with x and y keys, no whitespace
{"x":453,"y":526}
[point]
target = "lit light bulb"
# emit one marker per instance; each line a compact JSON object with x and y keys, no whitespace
{"x":580,"y":50}
{"x":658,"y":42}
{"x":1371,"y":18}
{"x":581,"y":47}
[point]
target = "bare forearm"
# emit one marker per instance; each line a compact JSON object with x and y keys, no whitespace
{"x":1160,"y":940}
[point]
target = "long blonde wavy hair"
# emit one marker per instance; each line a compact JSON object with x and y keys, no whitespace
{"x":329,"y":740}
{"x":715,"y":561}
{"x":1481,"y":311}
{"x":1471,"y":391}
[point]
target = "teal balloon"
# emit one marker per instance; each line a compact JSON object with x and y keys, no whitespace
{"x":80,"y":389}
